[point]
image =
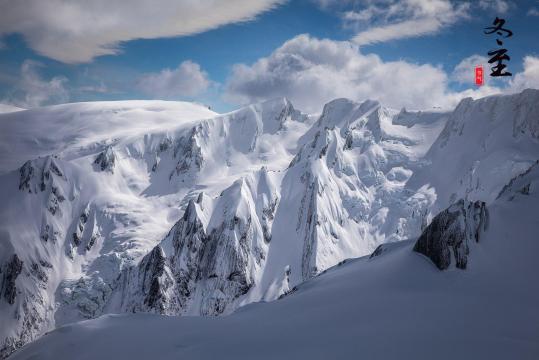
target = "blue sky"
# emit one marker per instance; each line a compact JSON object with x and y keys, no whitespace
{"x":230,"y":61}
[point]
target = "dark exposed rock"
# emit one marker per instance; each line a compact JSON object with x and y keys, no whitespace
{"x":105,"y":160}
{"x":450,"y":233}
{"x":36,"y":175}
{"x":189,"y":153}
{"x":26,"y":174}
{"x":286,"y":293}
{"x":519,"y":183}
{"x":10,"y":272}
{"x":214,"y":265}
{"x":79,"y":227}
{"x":378,"y":251}
{"x":45,"y":264}
{"x":91,"y":243}
{"x":308,"y":218}
{"x":349,"y":141}
{"x":165,"y":145}
{"x":153,"y":266}
{"x":38,"y":272}
{"x":85,"y":233}
{"x":30,"y":314}
{"x":189,"y":241}
{"x":49,"y":233}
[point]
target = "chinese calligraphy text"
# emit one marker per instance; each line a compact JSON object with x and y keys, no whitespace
{"x":498,"y":56}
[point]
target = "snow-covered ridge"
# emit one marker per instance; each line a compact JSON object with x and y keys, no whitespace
{"x":189,"y":212}
{"x":71,"y":128}
{"x":485,"y":143}
{"x":5,"y":108}
{"x":392,"y":304}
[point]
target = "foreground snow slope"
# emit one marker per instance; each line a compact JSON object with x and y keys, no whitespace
{"x":396,"y":304}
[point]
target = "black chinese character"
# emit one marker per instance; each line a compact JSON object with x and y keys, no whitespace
{"x":498,"y":56}
{"x":498,"y":29}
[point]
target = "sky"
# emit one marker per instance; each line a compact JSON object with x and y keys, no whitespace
{"x":418,"y":54}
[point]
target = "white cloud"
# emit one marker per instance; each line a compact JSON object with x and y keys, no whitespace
{"x":529,"y":78}
{"x":386,"y":20}
{"x":464,"y":72}
{"x":533,"y":12}
{"x":500,"y":6}
{"x":32,"y":90}
{"x":312,"y":72}
{"x":100,"y":88}
{"x":187,"y":80}
{"x":78,"y":30}
{"x":402,"y":30}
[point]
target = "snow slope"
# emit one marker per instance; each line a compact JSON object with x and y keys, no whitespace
{"x":395,"y":304}
{"x":485,"y":143}
{"x":5,"y":108}
{"x":68,"y":129}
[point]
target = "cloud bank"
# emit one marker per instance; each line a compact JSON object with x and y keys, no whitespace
{"x":311,"y":72}
{"x":76,"y":31}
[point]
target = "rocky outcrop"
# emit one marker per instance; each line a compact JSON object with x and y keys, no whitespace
{"x":189,"y":241}
{"x":26,"y":276}
{"x":42,"y":175}
{"x":189,"y":153}
{"x":106,"y":160}
{"x":208,"y":260}
{"x":521,"y":184}
{"x":9,"y":273}
{"x":37,"y":175}
{"x":85,"y":233}
{"x":447,"y":238}
{"x":164,"y":284}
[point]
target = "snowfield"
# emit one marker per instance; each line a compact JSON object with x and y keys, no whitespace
{"x":171,"y":209}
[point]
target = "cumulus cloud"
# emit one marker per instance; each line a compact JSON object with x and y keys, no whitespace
{"x":187,"y":80}
{"x":529,"y":77}
{"x":33,"y":90}
{"x":311,"y":72}
{"x":77,"y":31}
{"x":464,"y":72}
{"x":386,"y":20}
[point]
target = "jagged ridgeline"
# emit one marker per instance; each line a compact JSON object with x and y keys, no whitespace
{"x":169,"y":208}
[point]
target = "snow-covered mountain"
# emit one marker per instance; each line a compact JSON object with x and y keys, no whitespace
{"x":169,"y":208}
{"x":390,"y":305}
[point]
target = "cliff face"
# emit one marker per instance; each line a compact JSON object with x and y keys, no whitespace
{"x":210,"y":259}
{"x":447,"y":238}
